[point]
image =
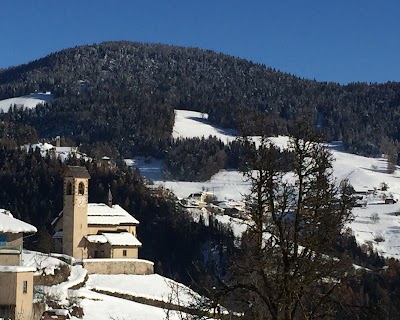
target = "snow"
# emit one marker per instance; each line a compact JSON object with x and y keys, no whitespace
{"x":63,"y":153}
{"x":190,"y":124}
{"x":152,"y":286}
{"x":99,"y":306}
{"x":363,"y":173}
{"x":41,"y":262}
{"x":27,"y":102}
{"x":100,"y":214}
{"x":103,"y":307}
{"x":237,"y":225}
{"x":9,"y":224}
{"x":96,"y":238}
{"x":122,"y":239}
{"x":226,"y":184}
{"x":61,"y":291}
{"x":77,"y":276}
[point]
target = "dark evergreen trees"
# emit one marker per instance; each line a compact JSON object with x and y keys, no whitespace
{"x":124,"y":93}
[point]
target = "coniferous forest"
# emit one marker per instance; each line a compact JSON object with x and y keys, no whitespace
{"x":124,"y":94}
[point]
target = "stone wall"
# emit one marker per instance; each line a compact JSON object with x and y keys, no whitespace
{"x":118,"y":266}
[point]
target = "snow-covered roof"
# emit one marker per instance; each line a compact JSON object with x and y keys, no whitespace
{"x":17,"y":269}
{"x":66,"y":149}
{"x":102,"y":214}
{"x":96,"y":238}
{"x":9,"y":224}
{"x":122,"y":239}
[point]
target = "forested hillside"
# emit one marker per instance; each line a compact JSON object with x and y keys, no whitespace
{"x":124,"y":94}
{"x":31,"y":188}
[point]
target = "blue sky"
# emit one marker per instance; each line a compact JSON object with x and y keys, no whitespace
{"x":341,"y":41}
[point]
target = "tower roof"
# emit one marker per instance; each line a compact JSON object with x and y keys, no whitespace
{"x":76,"y":172}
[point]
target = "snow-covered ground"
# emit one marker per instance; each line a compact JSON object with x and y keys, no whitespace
{"x":190,"y":124}
{"x":362,"y":172}
{"x":151,"y":286}
{"x":28,"y":102}
{"x":101,"y":306}
{"x":43,"y":263}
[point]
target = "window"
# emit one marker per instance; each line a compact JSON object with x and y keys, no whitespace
{"x":124,"y":253}
{"x":69,"y":188}
{"x":24,"y":286}
{"x":3,"y":240}
{"x":81,"y":188}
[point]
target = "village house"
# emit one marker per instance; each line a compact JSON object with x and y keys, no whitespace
{"x":11,"y":238}
{"x":93,"y":230}
{"x":17,"y":301}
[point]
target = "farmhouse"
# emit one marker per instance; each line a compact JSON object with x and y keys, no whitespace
{"x":93,"y":230}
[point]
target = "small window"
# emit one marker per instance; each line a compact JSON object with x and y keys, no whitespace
{"x":81,"y":188}
{"x":3,"y":240}
{"x":69,"y":188}
{"x":124,"y":253}
{"x":25,"y":287}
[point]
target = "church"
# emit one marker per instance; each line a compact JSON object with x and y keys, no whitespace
{"x":92,"y":230}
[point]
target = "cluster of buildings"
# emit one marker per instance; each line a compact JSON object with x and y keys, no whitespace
{"x":101,"y":237}
{"x":208,"y":201}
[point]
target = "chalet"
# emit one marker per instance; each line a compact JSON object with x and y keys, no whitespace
{"x":93,"y":230}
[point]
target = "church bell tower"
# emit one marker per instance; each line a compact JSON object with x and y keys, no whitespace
{"x":75,"y":211}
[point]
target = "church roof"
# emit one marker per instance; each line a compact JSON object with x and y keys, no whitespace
{"x":122,"y":239}
{"x":102,"y":214}
{"x":9,"y":224}
{"x":77,"y":172}
{"x":96,"y":238}
{"x":115,"y":239}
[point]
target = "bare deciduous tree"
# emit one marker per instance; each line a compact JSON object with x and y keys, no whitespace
{"x":285,"y":268}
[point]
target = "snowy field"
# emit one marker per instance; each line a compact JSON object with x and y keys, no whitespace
{"x":151,"y":286}
{"x":99,"y":306}
{"x":191,"y":124}
{"x":28,"y":102}
{"x":362,"y":172}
